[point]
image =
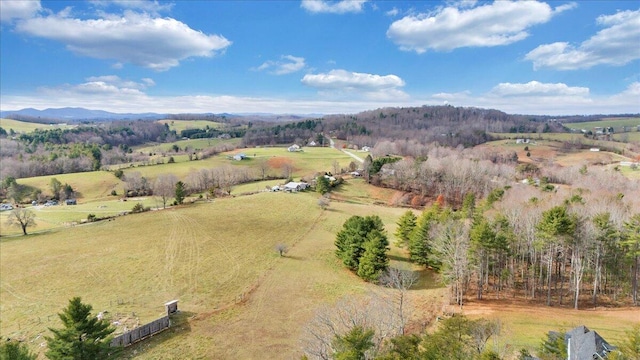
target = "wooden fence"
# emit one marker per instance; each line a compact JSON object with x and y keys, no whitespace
{"x":142,"y":332}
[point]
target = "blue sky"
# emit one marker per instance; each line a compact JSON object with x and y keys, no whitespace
{"x":320,"y":57}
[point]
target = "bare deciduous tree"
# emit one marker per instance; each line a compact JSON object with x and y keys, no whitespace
{"x":324,"y":202}
{"x":282,"y":249}
{"x":371,"y":312}
{"x":402,"y":281}
{"x":164,"y":187}
{"x":21,"y":218}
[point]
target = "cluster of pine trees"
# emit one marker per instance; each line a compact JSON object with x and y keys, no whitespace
{"x":362,"y":246}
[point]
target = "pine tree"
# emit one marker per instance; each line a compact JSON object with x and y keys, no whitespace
{"x":374,"y":260}
{"x":631,"y":242}
{"x":406,"y":224}
{"x":180,"y":192}
{"x":322,"y":185}
{"x":13,"y":350}
{"x":419,"y":242}
{"x":351,"y":239}
{"x":354,"y":344}
{"x":83,"y":337}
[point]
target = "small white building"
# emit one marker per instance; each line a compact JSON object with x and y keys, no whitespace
{"x":295,"y":186}
{"x":293,"y":148}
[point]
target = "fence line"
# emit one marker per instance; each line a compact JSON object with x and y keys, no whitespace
{"x":142,"y":332}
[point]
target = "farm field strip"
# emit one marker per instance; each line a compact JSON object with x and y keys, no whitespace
{"x":613,"y":122}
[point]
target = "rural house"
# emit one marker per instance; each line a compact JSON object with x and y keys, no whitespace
{"x":295,"y":186}
{"x":585,"y":344}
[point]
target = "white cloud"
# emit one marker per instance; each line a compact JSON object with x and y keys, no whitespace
{"x":538,"y":98}
{"x":499,"y":23}
{"x":105,"y":86}
{"x":393,"y":12}
{"x":616,"y":44}
{"x":342,"y":79}
{"x":18,"y":9}
{"x":342,"y":84}
{"x":155,"y":43}
{"x":535,"y":88}
{"x":150,"y":6}
{"x":116,"y":81}
{"x":565,"y":7}
{"x":286,"y":65}
{"x":334,"y":7}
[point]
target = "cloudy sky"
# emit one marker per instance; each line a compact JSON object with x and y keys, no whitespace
{"x":321,"y":57}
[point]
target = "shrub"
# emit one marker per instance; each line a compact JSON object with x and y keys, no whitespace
{"x":137,"y":208}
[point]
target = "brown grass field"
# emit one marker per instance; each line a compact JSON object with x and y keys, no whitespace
{"x":238,"y":298}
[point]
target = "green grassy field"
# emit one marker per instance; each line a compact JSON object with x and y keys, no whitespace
{"x":27,"y":127}
{"x":616,"y":123}
{"x":193,"y":144}
{"x":210,"y":255}
{"x":303,"y":163}
{"x":179,"y":125}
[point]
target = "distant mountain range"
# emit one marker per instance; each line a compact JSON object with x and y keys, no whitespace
{"x":75,"y":114}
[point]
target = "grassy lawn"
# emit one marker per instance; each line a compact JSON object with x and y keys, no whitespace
{"x":525,"y":326}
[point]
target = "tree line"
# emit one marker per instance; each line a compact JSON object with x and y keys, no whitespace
{"x":553,"y":249}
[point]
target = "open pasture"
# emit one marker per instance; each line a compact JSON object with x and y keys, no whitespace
{"x":551,"y":148}
{"x":27,"y":127}
{"x":616,"y":123}
{"x":65,"y":216}
{"x":192,"y":144}
{"x":179,"y":125}
{"x":303,"y":163}
{"x":217,"y":258}
{"x":89,"y":186}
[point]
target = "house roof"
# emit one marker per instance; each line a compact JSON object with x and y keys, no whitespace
{"x":585,"y":344}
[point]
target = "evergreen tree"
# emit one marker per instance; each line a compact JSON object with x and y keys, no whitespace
{"x":553,"y":347}
{"x":468,"y":205}
{"x":322,"y":185}
{"x":350,"y":240}
{"x":631,"y":242}
{"x":13,"y":350}
{"x":83,"y":336}
{"x":181,"y":192}
{"x":374,"y":260}
{"x":353,"y":345}
{"x":406,"y":224}
{"x":419,"y":241}
{"x":630,"y":345}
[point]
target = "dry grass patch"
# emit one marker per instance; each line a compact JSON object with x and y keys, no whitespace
{"x":526,"y":325}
